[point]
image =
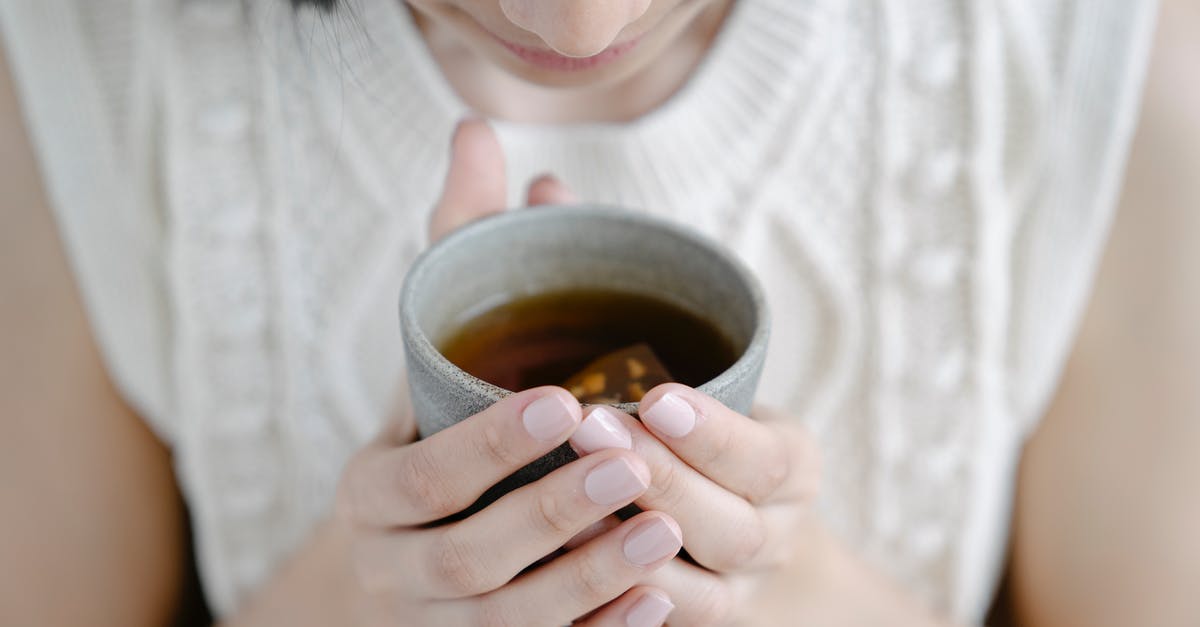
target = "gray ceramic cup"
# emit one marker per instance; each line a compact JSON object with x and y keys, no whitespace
{"x":546,"y":249}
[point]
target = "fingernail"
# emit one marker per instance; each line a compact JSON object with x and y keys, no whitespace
{"x":671,"y":415}
{"x":544,"y":178}
{"x":601,"y":429}
{"x":650,"y":611}
{"x":652,"y":541}
{"x":613,"y":482}
{"x":548,"y":418}
{"x":564,"y":193}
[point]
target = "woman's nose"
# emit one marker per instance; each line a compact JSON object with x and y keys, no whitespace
{"x":575,"y":28}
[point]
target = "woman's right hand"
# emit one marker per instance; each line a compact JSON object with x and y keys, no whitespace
{"x":466,"y":572}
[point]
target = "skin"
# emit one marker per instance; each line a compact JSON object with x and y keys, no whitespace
{"x":91,"y":531}
{"x":1108,"y":507}
{"x":674,"y":35}
{"x":96,"y":538}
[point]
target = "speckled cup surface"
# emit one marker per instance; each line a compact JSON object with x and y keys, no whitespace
{"x":545,"y":249}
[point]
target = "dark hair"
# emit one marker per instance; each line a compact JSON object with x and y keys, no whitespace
{"x":326,"y":5}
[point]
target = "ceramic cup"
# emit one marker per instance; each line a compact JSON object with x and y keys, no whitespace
{"x":545,"y":249}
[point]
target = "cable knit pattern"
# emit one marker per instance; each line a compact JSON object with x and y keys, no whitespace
{"x":923,"y":190}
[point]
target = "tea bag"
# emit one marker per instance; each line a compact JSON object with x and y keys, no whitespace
{"x":622,"y":376}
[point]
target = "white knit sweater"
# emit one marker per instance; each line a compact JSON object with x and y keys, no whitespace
{"x":924,"y":189}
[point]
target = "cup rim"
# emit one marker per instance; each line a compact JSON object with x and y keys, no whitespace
{"x":411,"y":328}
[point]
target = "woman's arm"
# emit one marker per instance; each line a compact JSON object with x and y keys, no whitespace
{"x":1107,"y":528}
{"x":90,"y":524}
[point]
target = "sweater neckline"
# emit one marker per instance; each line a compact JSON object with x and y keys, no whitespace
{"x":765,"y":53}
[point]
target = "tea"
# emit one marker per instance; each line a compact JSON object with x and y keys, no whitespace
{"x":547,"y":339}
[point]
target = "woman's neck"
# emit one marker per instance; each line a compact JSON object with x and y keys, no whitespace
{"x":493,"y":92}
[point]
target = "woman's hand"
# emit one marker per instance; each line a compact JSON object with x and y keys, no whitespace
{"x":741,"y":490}
{"x":476,"y":184}
{"x":738,"y":487}
{"x":465,"y":573}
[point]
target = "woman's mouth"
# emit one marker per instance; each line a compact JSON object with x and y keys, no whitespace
{"x":547,"y":59}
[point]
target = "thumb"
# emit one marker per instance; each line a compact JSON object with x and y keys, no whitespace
{"x":548,"y":190}
{"x":475,"y":183}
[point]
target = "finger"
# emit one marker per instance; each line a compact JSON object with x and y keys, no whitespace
{"x":753,"y":459}
{"x":594,"y":530}
{"x":448,"y":471}
{"x":485,"y":551}
{"x":724,"y":531}
{"x":548,"y":190}
{"x":642,"y":606}
{"x":580,"y":581}
{"x":475,"y":183}
{"x":700,"y":597}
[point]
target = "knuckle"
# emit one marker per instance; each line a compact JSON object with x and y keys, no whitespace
{"x":366,"y":567}
{"x":492,"y":612}
{"x":770,"y":475}
{"x":743,"y":545}
{"x":456,"y":568}
{"x":364,"y":497}
{"x":666,"y":485}
{"x":589,"y":581}
{"x":494,"y":447}
{"x":551,"y":518}
{"x":723,"y":446}
{"x":425,"y":487}
{"x":713,"y":603}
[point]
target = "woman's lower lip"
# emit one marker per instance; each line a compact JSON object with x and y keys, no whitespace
{"x":549,"y":60}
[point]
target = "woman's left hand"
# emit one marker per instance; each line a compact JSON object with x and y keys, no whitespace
{"x":739,"y":488}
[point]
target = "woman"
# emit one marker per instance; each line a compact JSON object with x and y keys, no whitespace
{"x":239,"y":188}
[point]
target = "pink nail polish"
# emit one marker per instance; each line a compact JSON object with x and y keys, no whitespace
{"x":652,"y":541}
{"x":671,"y":415}
{"x":614,"y":481}
{"x":548,"y":418}
{"x":650,"y":611}
{"x":601,"y":429}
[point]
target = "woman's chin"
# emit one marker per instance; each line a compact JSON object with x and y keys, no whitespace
{"x":569,"y":77}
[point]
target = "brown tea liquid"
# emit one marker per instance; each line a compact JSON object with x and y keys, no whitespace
{"x":545,"y":339}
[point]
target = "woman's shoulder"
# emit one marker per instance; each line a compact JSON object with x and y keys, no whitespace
{"x":73,"y":451}
{"x":81,"y":107}
{"x":1069,"y":76}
